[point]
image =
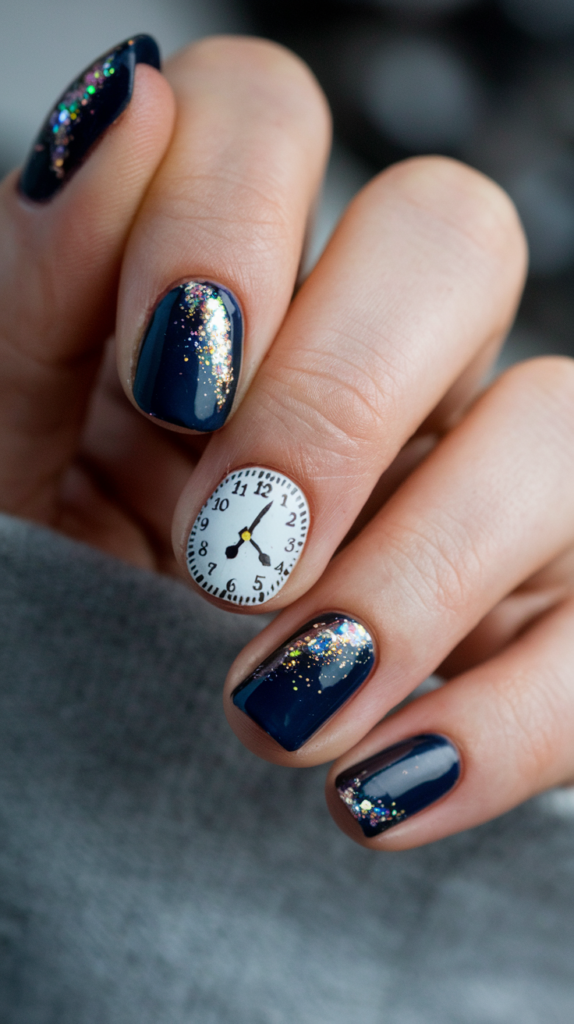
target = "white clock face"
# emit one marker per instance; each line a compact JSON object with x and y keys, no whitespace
{"x":248,"y":536}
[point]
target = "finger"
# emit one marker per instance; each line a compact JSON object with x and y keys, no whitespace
{"x":466,"y":388}
{"x":59,"y":265}
{"x":409,"y":457}
{"x":443,"y":418}
{"x":537,"y":595}
{"x":140,"y":469}
{"x":217,"y":245}
{"x":423,"y":272}
{"x":490,"y":506}
{"x":493,"y":738}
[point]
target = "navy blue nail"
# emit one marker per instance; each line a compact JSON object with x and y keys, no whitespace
{"x":90,"y":104}
{"x":190,"y":357}
{"x":391,"y":786}
{"x":300,"y":685}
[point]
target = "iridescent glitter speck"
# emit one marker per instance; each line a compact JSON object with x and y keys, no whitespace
{"x":332,"y":649}
{"x":85,"y":110}
{"x":308,"y":678}
{"x":71,"y":110}
{"x":398,"y":782}
{"x":190,"y":358}
{"x":374,"y":815}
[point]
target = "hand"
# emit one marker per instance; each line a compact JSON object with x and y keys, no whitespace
{"x":453,"y":508}
{"x":124,"y":221}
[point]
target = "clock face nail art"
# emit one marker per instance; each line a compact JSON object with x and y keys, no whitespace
{"x":298,"y":687}
{"x":248,"y":536}
{"x":90,"y":104}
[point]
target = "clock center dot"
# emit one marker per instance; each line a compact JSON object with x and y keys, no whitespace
{"x":246,"y":535}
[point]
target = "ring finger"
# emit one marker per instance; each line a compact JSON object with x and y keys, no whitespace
{"x":489,"y":507}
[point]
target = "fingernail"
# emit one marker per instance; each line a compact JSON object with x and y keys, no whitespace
{"x":89,"y":105}
{"x":400,"y":781}
{"x":190,"y":357}
{"x":298,"y":687}
{"x":248,"y":536}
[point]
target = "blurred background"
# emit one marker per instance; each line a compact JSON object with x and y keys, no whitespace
{"x":488,"y":81}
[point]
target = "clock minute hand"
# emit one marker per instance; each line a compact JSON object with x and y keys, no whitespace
{"x":258,"y":518}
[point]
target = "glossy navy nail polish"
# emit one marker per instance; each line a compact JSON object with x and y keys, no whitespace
{"x":294,"y":691}
{"x":90,"y":104}
{"x":190,"y":357}
{"x":403,"y":779}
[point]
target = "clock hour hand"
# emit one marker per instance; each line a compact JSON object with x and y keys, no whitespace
{"x":263,"y":558}
{"x":231,"y":551}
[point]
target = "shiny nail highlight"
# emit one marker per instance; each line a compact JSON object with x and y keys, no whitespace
{"x":190,"y":357}
{"x":90,"y":104}
{"x":298,"y":687}
{"x":400,"y":781}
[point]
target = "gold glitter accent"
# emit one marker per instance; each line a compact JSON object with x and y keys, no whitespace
{"x":71,"y":109}
{"x":212,"y":339}
{"x":374,"y":812}
{"x":327,"y":645}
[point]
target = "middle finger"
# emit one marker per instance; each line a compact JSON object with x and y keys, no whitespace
{"x":423,"y":273}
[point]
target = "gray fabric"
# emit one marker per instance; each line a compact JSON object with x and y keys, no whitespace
{"x":154,"y":871}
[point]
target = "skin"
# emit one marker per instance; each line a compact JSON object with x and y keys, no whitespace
{"x":448,"y":508}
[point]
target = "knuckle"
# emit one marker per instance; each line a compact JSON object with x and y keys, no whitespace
{"x":459,"y":200}
{"x":339,"y":426}
{"x":542,"y":390}
{"x":545,"y":374}
{"x":337,"y":402}
{"x":529,"y":702}
{"x":436,"y":568}
{"x":263,"y":126}
{"x":264,"y":73}
{"x":225,"y":206}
